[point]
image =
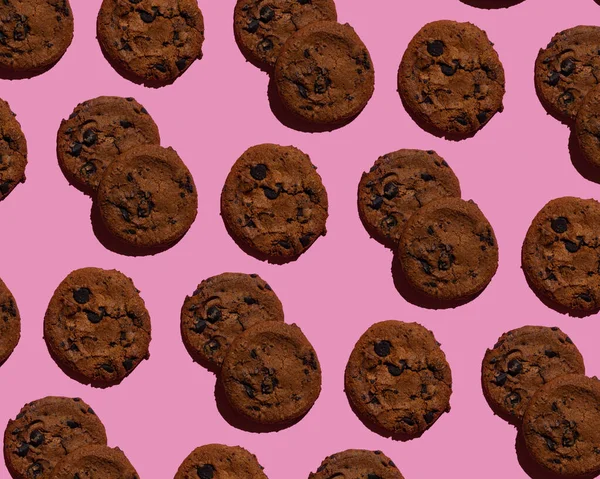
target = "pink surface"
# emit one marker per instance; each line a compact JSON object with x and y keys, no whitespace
{"x":337,"y":289}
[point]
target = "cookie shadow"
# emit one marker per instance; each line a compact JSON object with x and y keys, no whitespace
{"x":417,"y":298}
{"x":293,"y":121}
{"x":492,"y":4}
{"x":114,"y":244}
{"x":236,"y":420}
{"x":583,"y":167}
{"x":510,"y":419}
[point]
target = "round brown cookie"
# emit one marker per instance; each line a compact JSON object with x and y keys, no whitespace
{"x":11,"y":135}
{"x":263,"y":26}
{"x":448,"y":250}
{"x":522,"y":361}
{"x":561,"y":426}
{"x":357,"y":464}
{"x":587,"y":127}
{"x":324,"y":73}
{"x":97,"y":326}
{"x":10,"y":323}
{"x":221,"y":308}
{"x":34,"y":34}
{"x":274,"y":202}
{"x":153,"y":41}
{"x":397,"y":185}
{"x":45,"y":431}
{"x":567,"y":69}
{"x":451,"y":78}
{"x":97,"y":132}
{"x":147,"y":197}
{"x":95,"y":462}
{"x":560,"y":253}
{"x":271,"y":373}
{"x":216,"y":461}
{"x":398,"y":378}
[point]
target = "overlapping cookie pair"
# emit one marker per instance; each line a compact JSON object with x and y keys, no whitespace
{"x":109,"y":147}
{"x":534,"y":377}
{"x":446,"y":248}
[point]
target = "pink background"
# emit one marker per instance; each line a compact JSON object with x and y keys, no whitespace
{"x":336,"y":290}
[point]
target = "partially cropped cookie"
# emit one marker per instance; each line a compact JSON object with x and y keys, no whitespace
{"x":95,"y":462}
{"x":567,"y":69}
{"x":448,"y":250}
{"x":34,"y":34}
{"x":216,"y":461}
{"x":13,"y":150}
{"x":271,"y":373}
{"x":560,"y":253}
{"x":97,"y":132}
{"x":147,"y":197}
{"x":522,"y":361}
{"x":262,"y":27}
{"x":324,"y":73}
{"x":451,"y":78}
{"x":587,"y":127}
{"x":274,"y":202}
{"x":223,"y":307}
{"x":357,"y":464}
{"x":152,"y":41}
{"x":398,"y":378}
{"x":397,"y":185}
{"x":561,"y":426}
{"x":10,"y":323}
{"x":47,"y":430}
{"x":97,"y":326}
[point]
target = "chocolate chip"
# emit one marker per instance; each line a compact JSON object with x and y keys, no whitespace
{"x":383,"y":348}
{"x":553,"y":79}
{"x":390,"y":221}
{"x":22,"y":450}
{"x":249,"y":390}
{"x":76,"y":149}
{"x":266,"y":45}
{"x":429,"y":416}
{"x":89,"y":137}
{"x":567,"y":97}
{"x":408,"y":420}
{"x":500,"y":379}
{"x":266,"y":14}
{"x":304,"y":2}
{"x":390,"y":190}
{"x":181,"y":64}
{"x":88,"y":168}
{"x":73,"y":424}
{"x":567,"y":66}
{"x":212,"y":346}
{"x":81,"y":295}
{"x":206,"y":471}
{"x":560,"y":224}
{"x":252,"y":26}
{"x":268,"y":385}
{"x":302,"y":91}
{"x":160,"y":67}
{"x":248,"y":300}
{"x":571,"y":246}
{"x":4,"y":187}
{"x":482,"y":116}
{"x":435,"y":48}
{"x":550,"y":443}
{"x":146,"y":17}
{"x":396,"y":370}
{"x":93,"y":317}
{"x":376,"y":202}
{"x":35,"y":470}
{"x":36,"y":438}
{"x":200,"y":326}
{"x":270,"y":193}
{"x":213,"y":314}
{"x":125,"y":124}
{"x":447,"y":69}
{"x":426,"y":177}
{"x":259,"y":172}
{"x":513,"y":399}
{"x":550,"y":353}
{"x":125,"y":213}
{"x":108,"y":368}
{"x":515,"y":367}
{"x":128,"y":364}
{"x":586,"y":297}
{"x":305,"y":240}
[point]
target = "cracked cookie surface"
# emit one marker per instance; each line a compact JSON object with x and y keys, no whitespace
{"x":522,"y":361}
{"x":95,"y":462}
{"x":45,"y":431}
{"x":217,"y":461}
{"x":561,"y":254}
{"x":567,"y":69}
{"x":324,"y":73}
{"x":263,"y":26}
{"x":147,"y":197}
{"x":587,"y":127}
{"x":154,"y":41}
{"x":97,"y":326}
{"x":10,"y":323}
{"x":451,"y":78}
{"x":223,"y":307}
{"x":357,"y":464}
{"x":448,"y":250}
{"x":398,"y":378}
{"x":397,"y":185}
{"x":271,"y":373}
{"x":34,"y":34}
{"x":274,"y":201}
{"x":561,"y":426}
{"x":97,"y":132}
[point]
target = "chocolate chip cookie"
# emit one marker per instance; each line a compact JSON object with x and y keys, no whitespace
{"x":357,"y":464}
{"x":522,"y":361}
{"x":271,"y":373}
{"x":152,"y":41}
{"x":398,"y":379}
{"x":397,"y":185}
{"x":34,"y":34}
{"x":262,"y":27}
{"x":451,"y":78}
{"x":448,"y":250}
{"x":216,"y":461}
{"x":324,"y":73}
{"x":10,"y":323}
{"x":561,"y":426}
{"x":147,"y":197}
{"x":221,"y":308}
{"x":13,"y":151}
{"x":97,"y":326}
{"x":45,"y":431}
{"x":587,"y":127}
{"x":567,"y":69}
{"x":97,"y":132}
{"x":95,"y":462}
{"x":560,"y":254}
{"x":274,"y":202}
